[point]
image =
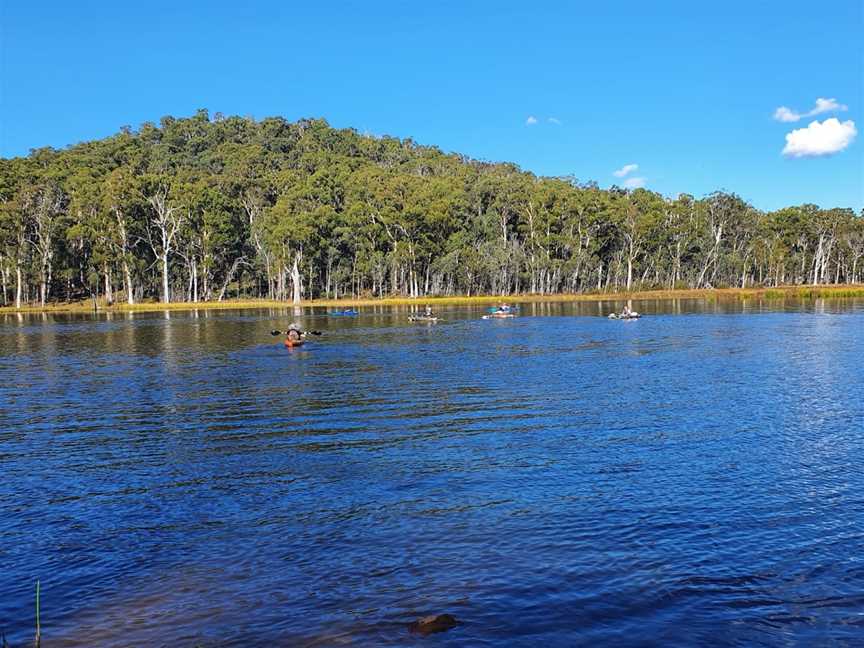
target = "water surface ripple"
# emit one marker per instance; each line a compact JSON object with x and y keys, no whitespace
{"x":559,"y":479}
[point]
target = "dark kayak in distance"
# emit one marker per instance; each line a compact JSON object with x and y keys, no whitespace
{"x":423,"y":318}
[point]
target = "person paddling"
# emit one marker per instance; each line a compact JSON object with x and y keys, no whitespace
{"x":429,"y":311}
{"x":295,"y":333}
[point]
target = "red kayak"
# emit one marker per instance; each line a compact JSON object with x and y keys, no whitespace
{"x":293,"y":343}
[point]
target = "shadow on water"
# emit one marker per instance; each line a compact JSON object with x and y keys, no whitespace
{"x":181,"y":478}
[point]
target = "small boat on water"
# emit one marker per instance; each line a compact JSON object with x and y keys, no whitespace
{"x":423,"y":318}
{"x":620,"y":316}
{"x":348,"y":312}
{"x":501,"y":312}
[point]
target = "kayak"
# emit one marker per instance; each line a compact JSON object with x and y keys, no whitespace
{"x":345,"y":313}
{"x":498,"y":315}
{"x":422,"y":318}
{"x":632,"y":316}
{"x":293,"y":343}
{"x":496,"y":309}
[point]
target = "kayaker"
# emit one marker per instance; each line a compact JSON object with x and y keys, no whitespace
{"x":626,"y":312}
{"x":428,"y":310}
{"x":295,"y":333}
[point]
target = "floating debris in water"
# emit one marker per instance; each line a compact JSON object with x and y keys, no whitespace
{"x":433,"y":623}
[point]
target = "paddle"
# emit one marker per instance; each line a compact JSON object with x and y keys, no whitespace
{"x":306,"y":332}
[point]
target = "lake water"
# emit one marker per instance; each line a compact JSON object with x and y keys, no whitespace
{"x":557,"y":479}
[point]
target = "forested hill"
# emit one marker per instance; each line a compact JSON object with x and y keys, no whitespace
{"x":203,"y":209}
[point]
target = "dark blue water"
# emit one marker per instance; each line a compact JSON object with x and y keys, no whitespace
{"x":693,"y":478}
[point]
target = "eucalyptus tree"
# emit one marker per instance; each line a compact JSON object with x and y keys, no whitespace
{"x":641,"y":211}
{"x":290,"y":225}
{"x":582,"y":237}
{"x":853,"y":240}
{"x":90,"y":232}
{"x":12,"y":237}
{"x":223,"y":238}
{"x":122,"y":201}
{"x":372,"y":207}
{"x":717,"y":212}
{"x":43,"y":205}
{"x":16,"y":226}
{"x":164,"y":219}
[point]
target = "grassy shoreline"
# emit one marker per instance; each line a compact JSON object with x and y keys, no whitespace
{"x":783,"y":292}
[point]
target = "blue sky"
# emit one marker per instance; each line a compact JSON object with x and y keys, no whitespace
{"x":684,"y":90}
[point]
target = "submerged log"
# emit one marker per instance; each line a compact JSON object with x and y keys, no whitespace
{"x":433,"y":623}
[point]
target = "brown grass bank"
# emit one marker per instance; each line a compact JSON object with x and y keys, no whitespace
{"x":778,"y":293}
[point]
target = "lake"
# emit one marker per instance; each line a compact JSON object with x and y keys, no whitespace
{"x":557,"y":479}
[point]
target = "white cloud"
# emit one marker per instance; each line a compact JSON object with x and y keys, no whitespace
{"x":785,"y":114}
{"x":823,"y":105}
{"x":554,"y":120}
{"x":623,"y":171}
{"x":827,"y":105}
{"x":634,"y":183}
{"x":820,"y":138}
{"x":531,"y":120}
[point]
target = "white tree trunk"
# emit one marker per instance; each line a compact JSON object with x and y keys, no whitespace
{"x":817,"y":261}
{"x":109,"y":292}
{"x":127,"y":276}
{"x":124,"y":251}
{"x":166,"y":296}
{"x":43,"y":287}
{"x":295,"y":279}
{"x":19,"y":286}
{"x":168,"y":220}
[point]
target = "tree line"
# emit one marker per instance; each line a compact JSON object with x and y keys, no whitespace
{"x":201,"y":208}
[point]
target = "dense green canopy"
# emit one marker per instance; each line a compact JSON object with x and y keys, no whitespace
{"x":202,"y":209}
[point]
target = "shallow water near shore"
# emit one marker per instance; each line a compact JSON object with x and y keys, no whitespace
{"x":559,"y":479}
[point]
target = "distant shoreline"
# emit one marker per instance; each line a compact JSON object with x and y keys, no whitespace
{"x":782,"y":292}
